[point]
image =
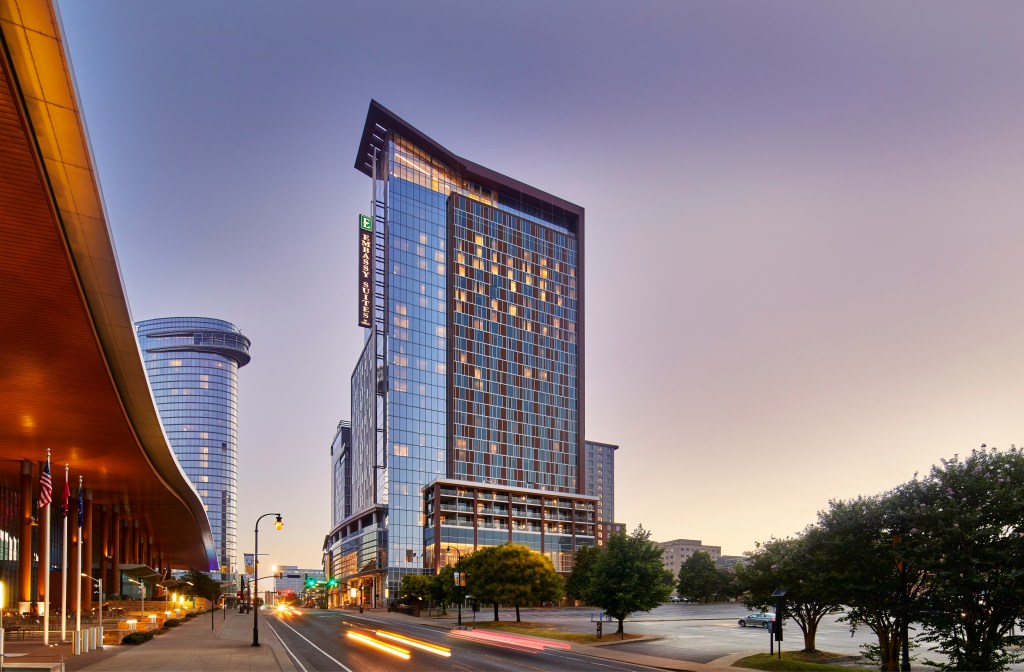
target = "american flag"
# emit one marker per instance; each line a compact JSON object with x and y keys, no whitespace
{"x":45,"y":485}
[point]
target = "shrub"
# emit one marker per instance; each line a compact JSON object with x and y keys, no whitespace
{"x":190,"y":614}
{"x":137,"y":637}
{"x":172,"y":623}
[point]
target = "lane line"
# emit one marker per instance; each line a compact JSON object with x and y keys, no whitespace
{"x":340,"y":664}
{"x":294,"y":657}
{"x":588,"y":661}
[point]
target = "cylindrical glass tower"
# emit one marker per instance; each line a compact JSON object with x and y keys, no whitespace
{"x":192,"y":364}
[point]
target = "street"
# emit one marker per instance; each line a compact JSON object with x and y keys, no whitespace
{"x":321,"y":640}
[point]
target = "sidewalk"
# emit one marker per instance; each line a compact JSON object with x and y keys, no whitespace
{"x":604,"y":650}
{"x":190,"y":646}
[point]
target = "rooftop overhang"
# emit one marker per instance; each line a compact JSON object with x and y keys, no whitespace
{"x":71,"y":374}
{"x":380,"y":121}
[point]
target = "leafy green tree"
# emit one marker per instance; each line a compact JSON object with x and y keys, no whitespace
{"x":416,"y":587}
{"x":969,"y":533}
{"x":873,"y":577}
{"x":728,"y":587}
{"x":203,"y":585}
{"x":698,"y":577}
{"x":802,"y":567}
{"x":582,"y":572}
{"x":511,"y":574}
{"x":443,"y":589}
{"x":628,"y":576}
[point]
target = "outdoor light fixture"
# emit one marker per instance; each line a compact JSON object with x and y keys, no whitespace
{"x":99,"y":582}
{"x":278,"y":524}
{"x":458,"y":578}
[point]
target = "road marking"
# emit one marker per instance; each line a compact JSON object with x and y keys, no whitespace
{"x":506,"y":661}
{"x":340,"y":664}
{"x":294,"y":657}
{"x":587,"y":661}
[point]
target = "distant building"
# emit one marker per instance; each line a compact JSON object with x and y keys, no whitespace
{"x":679,"y":551}
{"x":599,"y":481}
{"x":293,"y":579}
{"x":192,"y":365}
{"x":727,"y":561}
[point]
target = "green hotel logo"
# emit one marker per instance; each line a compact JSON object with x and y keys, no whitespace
{"x":365,"y":223}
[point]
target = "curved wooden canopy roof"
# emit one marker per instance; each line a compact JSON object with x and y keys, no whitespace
{"x":71,"y":373}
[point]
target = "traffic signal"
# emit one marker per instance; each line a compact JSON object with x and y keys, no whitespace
{"x":310,"y":581}
{"x":332,"y":582}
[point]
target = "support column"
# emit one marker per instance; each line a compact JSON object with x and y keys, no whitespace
{"x":104,"y":572}
{"x":72,"y":541}
{"x":25,"y":534}
{"x":87,"y":556}
{"x":134,"y":548}
{"x":115,"y":570}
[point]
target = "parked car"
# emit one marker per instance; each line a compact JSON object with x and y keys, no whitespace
{"x":761,"y":618}
{"x":674,"y":598}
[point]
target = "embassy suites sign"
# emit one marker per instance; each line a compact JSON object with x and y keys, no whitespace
{"x":365,"y":271}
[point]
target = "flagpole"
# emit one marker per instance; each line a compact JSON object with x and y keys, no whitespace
{"x":44,"y":561}
{"x":64,"y":566}
{"x":78,"y":606}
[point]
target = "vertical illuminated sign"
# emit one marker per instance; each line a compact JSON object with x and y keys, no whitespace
{"x":365,"y":271}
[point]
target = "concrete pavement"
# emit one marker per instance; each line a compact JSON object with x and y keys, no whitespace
{"x":193,"y":645}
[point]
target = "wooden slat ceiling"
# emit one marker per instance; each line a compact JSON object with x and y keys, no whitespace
{"x":64,"y":385}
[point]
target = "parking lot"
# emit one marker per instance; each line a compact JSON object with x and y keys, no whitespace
{"x":704,"y":632}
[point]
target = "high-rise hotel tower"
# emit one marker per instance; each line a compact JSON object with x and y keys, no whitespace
{"x":192,"y":364}
{"x":467,"y":400}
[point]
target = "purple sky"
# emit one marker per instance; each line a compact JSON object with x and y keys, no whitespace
{"x":804,"y":223}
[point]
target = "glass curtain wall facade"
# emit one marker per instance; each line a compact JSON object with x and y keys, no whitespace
{"x":192,"y":364}
{"x":417,"y":189}
{"x":472,"y":369}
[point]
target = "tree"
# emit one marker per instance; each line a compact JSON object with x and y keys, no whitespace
{"x":416,"y":586}
{"x":803,"y":568}
{"x":443,"y":589}
{"x":728,"y":586}
{"x":628,"y":576}
{"x":582,"y":572}
{"x":969,"y":534}
{"x":511,"y":574}
{"x":879,"y":584}
{"x":698,"y":577}
{"x":203,"y":585}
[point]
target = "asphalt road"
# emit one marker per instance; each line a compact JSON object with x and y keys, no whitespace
{"x":319,"y":640}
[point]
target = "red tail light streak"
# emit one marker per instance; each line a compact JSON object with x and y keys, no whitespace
{"x":509,"y":641}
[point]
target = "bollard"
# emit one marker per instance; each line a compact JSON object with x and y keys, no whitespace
{"x":76,"y":639}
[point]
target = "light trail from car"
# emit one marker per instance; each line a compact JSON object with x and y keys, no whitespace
{"x":416,"y":643}
{"x":396,"y":651}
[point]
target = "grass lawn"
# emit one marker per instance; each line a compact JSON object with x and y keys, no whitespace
{"x":794,"y":660}
{"x":548,"y":630}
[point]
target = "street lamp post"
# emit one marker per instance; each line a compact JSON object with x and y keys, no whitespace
{"x":256,"y":575}
{"x":458,"y":579}
{"x":99,"y":583}
{"x":142,"y":589}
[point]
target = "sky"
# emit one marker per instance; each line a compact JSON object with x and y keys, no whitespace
{"x":804,"y":224}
